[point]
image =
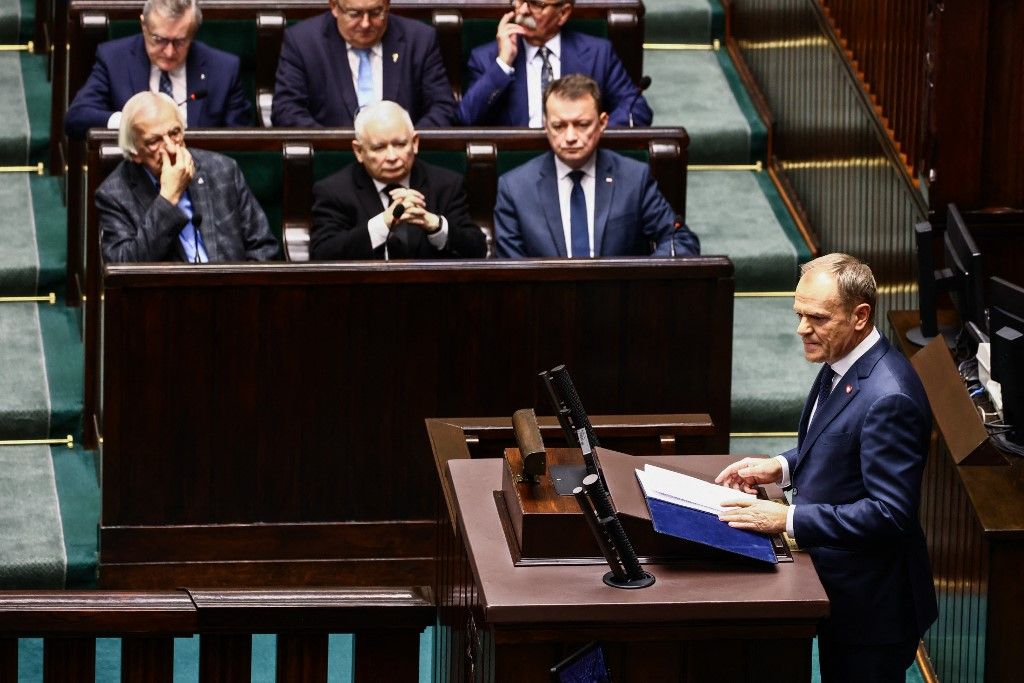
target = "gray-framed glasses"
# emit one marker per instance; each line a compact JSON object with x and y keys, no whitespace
{"x":372,"y":14}
{"x":536,"y":6}
{"x":161,"y":42}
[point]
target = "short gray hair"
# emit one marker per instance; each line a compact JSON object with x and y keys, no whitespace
{"x":379,"y":112}
{"x":172,"y":9}
{"x":145,"y":101}
{"x":854,"y":279}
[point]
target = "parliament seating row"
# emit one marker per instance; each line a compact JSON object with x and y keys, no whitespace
{"x":282,"y":165}
{"x":254,"y":29}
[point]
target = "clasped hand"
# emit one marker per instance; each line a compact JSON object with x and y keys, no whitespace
{"x":414,"y":211}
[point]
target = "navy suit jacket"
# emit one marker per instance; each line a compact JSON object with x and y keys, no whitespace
{"x":856,"y":483}
{"x":344,"y":202}
{"x":122,"y":70}
{"x":494,"y":98}
{"x":630,"y":211}
{"x":137,"y":224}
{"x":314,"y":82}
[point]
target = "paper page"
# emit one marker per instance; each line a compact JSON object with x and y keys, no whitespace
{"x":682,"y":489}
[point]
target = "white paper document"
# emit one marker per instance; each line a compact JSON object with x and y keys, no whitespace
{"x":682,"y":489}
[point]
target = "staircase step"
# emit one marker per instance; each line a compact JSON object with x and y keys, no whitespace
{"x":683,"y":21}
{"x":770,"y":378}
{"x":699,"y":90}
{"x":31,"y":541}
{"x":739,"y":213}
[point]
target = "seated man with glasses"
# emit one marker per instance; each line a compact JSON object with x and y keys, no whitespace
{"x":333,"y":65}
{"x":508,"y":77}
{"x":164,"y":58}
{"x":165,"y":202}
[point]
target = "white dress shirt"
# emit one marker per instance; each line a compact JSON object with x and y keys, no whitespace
{"x":565,"y":192}
{"x":840,"y":367}
{"x":534,"y":65}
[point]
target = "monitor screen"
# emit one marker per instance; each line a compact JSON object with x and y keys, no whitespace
{"x":963,"y":274}
{"x":1006,"y":332}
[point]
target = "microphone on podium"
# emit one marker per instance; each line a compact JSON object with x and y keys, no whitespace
{"x":197,"y":220}
{"x":194,"y":97}
{"x":400,"y":209}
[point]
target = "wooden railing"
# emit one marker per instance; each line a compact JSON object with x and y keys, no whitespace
{"x":831,"y":150}
{"x":386,"y":623}
{"x":887,"y":43}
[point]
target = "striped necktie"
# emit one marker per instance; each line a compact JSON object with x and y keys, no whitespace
{"x":546,"y":73}
{"x":165,"y":84}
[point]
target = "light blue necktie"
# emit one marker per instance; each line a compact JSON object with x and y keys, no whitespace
{"x":578,"y":217}
{"x":191,"y":241}
{"x":364,"y":82}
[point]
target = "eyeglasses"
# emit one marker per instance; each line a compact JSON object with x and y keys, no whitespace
{"x":152,"y":143}
{"x":372,"y":14}
{"x":161,"y":42}
{"x":537,"y":6}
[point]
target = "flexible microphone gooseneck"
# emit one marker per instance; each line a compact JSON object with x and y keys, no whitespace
{"x":194,"y":97}
{"x":197,"y":219}
{"x":644,"y":84}
{"x":677,"y":225}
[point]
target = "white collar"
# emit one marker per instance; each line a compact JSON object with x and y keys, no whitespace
{"x":404,"y":182}
{"x":562,"y":169}
{"x":377,"y":49}
{"x":554,"y":46}
{"x":843,"y":365}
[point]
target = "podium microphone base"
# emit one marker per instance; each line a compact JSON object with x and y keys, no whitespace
{"x":643,"y":582}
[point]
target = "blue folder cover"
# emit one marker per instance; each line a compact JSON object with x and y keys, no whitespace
{"x":705,"y":528}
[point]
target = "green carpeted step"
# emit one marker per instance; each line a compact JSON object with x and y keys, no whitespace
{"x":682,"y":21}
{"x":31,"y":540}
{"x":10,"y":21}
{"x":62,"y":343}
{"x":761,"y":445}
{"x":699,"y":90}
{"x":738,"y":213}
{"x":50,"y":220}
{"x":14,"y":129}
{"x":19,"y":258}
{"x":38,"y":96}
{"x":78,"y":490}
{"x":770,"y":378}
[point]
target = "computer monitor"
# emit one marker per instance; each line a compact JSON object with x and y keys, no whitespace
{"x":1006,"y":332}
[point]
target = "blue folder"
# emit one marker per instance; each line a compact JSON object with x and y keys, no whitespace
{"x":705,"y":528}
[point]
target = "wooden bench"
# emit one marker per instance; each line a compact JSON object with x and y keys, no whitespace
{"x":386,"y":624}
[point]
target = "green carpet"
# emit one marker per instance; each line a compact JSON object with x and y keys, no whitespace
{"x":31,"y":543}
{"x":770,"y":378}
{"x":62,"y":344}
{"x":749,"y":232}
{"x":761,"y":445}
{"x":78,"y":489}
{"x":690,"y":89}
{"x":50,"y":220}
{"x":680,"y":21}
{"x":10,"y":21}
{"x":24,"y":398}
{"x":14,"y":130}
{"x":19,"y":258}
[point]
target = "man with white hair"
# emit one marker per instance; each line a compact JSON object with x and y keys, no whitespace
{"x":391,"y":205}
{"x":165,"y":202}
{"x":165,"y":58}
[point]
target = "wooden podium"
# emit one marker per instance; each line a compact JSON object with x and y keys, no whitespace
{"x":703,"y":619}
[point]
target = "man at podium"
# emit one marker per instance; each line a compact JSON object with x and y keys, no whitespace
{"x":855,"y":479}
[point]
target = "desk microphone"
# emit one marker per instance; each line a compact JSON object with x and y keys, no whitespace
{"x":197,"y":219}
{"x":400,"y":209}
{"x":194,"y":97}
{"x":644,"y":84}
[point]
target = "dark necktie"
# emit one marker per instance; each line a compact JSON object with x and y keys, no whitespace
{"x":827,"y":375}
{"x":546,"y":73}
{"x":578,"y":217}
{"x":165,"y":84}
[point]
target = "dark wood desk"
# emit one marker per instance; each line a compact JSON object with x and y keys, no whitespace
{"x":973,"y":518}
{"x":698,"y":622}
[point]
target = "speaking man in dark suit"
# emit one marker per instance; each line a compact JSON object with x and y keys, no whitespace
{"x":580,"y":201}
{"x":855,"y":479}
{"x":165,"y":202}
{"x":353,"y":56}
{"x":163,"y":58}
{"x":508,"y":77}
{"x":390,"y":205}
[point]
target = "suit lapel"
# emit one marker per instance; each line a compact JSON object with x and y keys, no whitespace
{"x":195,"y":79}
{"x":145,"y":191}
{"x":202,"y":203}
{"x":844,"y":392}
{"x":575,"y":58}
{"x":138,"y":71}
{"x":339,"y":76}
{"x":547,"y":194}
{"x":520,"y":97}
{"x":604,"y":191}
{"x":393,"y":54}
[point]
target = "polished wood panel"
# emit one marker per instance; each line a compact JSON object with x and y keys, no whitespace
{"x":314,"y":382}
